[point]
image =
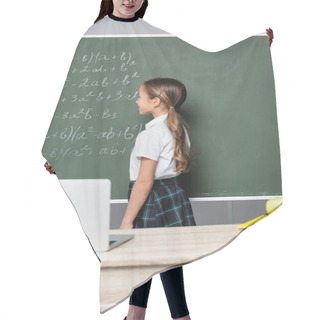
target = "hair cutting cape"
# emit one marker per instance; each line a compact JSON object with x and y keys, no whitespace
{"x":231,"y":110}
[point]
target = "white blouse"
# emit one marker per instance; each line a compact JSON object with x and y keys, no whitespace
{"x":156,"y":143}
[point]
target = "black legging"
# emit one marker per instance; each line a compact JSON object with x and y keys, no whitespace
{"x":172,"y":281}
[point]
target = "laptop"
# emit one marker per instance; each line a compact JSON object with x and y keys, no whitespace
{"x":91,"y":200}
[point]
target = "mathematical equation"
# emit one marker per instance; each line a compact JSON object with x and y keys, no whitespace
{"x":106,"y":142}
{"x":94,"y":112}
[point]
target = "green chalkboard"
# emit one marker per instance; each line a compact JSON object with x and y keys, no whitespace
{"x":231,"y":109}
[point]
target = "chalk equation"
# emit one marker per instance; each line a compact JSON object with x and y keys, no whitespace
{"x":96,"y":108}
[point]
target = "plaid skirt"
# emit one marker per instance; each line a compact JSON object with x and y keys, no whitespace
{"x":166,"y":206}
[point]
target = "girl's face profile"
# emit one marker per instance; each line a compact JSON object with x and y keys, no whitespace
{"x":144,"y":102}
{"x":126,"y":8}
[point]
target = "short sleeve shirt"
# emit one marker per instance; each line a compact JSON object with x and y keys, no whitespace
{"x":156,"y":143}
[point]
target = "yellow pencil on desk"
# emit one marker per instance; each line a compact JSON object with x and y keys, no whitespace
{"x":271,"y":205}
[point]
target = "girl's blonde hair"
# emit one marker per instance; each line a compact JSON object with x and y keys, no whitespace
{"x":173,"y":94}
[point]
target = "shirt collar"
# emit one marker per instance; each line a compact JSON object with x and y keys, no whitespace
{"x":113,"y":17}
{"x":156,"y":120}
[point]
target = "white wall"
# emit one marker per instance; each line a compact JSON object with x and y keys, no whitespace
{"x":48,"y":269}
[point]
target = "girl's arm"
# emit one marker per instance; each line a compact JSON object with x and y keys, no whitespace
{"x":140,"y":192}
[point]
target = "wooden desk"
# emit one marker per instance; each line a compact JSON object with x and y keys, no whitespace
{"x":155,"y":250}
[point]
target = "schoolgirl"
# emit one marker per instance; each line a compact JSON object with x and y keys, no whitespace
{"x":156,"y":199}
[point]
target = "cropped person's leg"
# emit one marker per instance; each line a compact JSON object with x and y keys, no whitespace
{"x":136,"y":313}
{"x":173,"y":285}
{"x":138,"y":302}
